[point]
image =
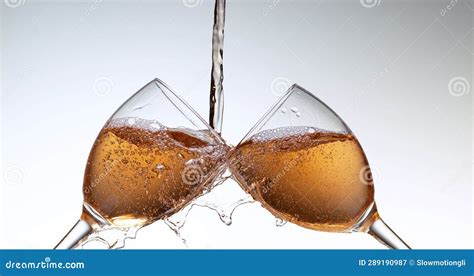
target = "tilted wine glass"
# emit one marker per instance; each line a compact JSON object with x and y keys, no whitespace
{"x":304,"y":164}
{"x":152,"y":157}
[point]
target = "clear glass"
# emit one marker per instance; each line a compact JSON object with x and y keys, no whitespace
{"x":152,"y":157}
{"x":305,"y":165}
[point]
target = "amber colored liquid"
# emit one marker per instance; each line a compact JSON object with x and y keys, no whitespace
{"x":309,"y":177}
{"x":135,"y":173}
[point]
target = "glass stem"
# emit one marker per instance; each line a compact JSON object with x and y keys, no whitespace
{"x":77,"y":232}
{"x":380,"y":231}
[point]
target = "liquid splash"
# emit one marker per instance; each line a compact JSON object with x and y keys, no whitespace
{"x":280,"y":222}
{"x":217,"y":199}
{"x":216,"y":103}
{"x":108,"y":237}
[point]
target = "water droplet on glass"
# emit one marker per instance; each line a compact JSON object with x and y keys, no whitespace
{"x":294,"y":109}
{"x":298,"y":114}
{"x":283,"y":110}
{"x":138,"y":107}
{"x":180,"y":155}
{"x":311,"y":130}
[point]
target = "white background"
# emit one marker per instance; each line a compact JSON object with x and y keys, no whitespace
{"x":66,"y":66}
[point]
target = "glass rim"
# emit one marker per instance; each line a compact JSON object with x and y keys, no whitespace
{"x":283,"y":98}
{"x":173,"y":98}
{"x":157,"y":81}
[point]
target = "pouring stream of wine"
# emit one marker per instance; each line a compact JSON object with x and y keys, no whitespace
{"x":216,"y":101}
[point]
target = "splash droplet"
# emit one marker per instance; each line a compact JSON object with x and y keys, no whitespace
{"x":176,"y":225}
{"x":110,"y":237}
{"x":280,"y":222}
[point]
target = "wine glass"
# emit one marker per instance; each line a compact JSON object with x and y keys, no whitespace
{"x":152,"y":157}
{"x":304,"y":165}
